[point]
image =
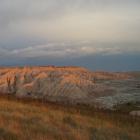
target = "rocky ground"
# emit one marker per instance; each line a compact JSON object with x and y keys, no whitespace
{"x":72,"y":85}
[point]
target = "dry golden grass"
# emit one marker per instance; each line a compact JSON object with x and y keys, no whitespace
{"x":34,"y":121}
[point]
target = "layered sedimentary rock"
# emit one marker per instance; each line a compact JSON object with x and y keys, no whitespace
{"x":66,"y":84}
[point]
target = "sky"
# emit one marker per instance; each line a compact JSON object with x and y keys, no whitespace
{"x":97,"y":34}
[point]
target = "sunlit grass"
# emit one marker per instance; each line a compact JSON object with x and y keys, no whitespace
{"x":34,"y":121}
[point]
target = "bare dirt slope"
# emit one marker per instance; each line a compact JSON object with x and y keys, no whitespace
{"x":70,"y":85}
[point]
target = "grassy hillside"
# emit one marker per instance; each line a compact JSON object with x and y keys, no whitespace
{"x":35,"y":121}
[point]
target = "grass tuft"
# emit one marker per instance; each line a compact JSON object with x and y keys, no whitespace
{"x":68,"y":120}
{"x":7,"y":135}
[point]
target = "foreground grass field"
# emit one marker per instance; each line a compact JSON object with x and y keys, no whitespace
{"x":35,"y":121}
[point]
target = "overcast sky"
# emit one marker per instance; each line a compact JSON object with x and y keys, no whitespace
{"x":98,"y":34}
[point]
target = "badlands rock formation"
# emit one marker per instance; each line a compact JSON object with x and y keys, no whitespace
{"x":63,"y":84}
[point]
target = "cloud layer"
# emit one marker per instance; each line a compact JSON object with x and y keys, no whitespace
{"x":76,"y":28}
{"x":69,"y":49}
{"x":108,"y":20}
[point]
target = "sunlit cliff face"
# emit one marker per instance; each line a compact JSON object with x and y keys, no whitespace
{"x":48,"y":29}
{"x":41,"y":81}
{"x":70,"y":85}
